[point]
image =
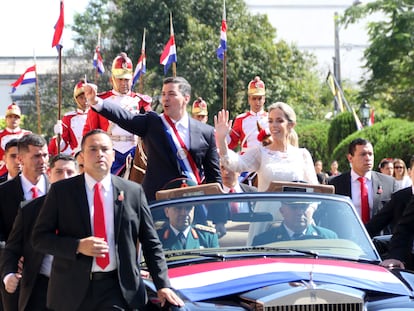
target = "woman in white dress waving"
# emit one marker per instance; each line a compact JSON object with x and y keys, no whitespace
{"x":278,"y":161}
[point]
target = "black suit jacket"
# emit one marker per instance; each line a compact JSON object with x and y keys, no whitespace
{"x":388,"y":216}
{"x":162,"y":165}
{"x":402,"y":239}
{"x":19,"y":244}
{"x":11,"y":194}
{"x":383,"y":187}
{"x":3,"y":178}
{"x":65,"y":219}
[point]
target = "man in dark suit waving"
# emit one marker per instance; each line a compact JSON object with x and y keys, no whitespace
{"x":176,"y":144}
{"x":362,"y":183}
{"x":91,"y":224}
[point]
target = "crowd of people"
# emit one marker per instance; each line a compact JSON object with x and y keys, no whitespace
{"x":78,"y":178}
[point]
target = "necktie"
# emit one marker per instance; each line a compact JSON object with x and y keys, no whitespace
{"x":234,"y":206}
{"x":35,"y":192}
{"x":99,"y":222}
{"x":364,"y":200}
{"x":181,"y":239}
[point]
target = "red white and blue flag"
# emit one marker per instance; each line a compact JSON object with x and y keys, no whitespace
{"x":211,"y":280}
{"x":29,"y":76}
{"x":223,"y":35}
{"x":60,"y":24}
{"x":98,"y":61}
{"x":371,"y":119}
{"x":141,"y":67}
{"x":169,"y":55}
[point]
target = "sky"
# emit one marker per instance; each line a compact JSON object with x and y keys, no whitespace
{"x":27,"y":28}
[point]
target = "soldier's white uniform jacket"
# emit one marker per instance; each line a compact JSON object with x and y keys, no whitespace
{"x":123,"y":141}
{"x":245,"y":129}
{"x":73,"y":123}
{"x":5,"y":136}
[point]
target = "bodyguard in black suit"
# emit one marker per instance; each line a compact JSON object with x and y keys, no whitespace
{"x":388,"y":217}
{"x":400,"y":248}
{"x":34,"y":278}
{"x":380,"y":187}
{"x":64,"y":229}
{"x":11,"y":160}
{"x":163,"y":161}
{"x":34,"y":156}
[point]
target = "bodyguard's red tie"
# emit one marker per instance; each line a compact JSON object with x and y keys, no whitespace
{"x":35,"y":192}
{"x":99,"y":222}
{"x":365,"y":214}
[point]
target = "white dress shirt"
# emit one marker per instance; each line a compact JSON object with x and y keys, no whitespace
{"x":108,"y":198}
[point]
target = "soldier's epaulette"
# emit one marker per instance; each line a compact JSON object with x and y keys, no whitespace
{"x":205,"y":228}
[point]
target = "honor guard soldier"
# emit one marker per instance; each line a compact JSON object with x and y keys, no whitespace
{"x":12,"y":130}
{"x":199,"y":110}
{"x":72,"y":124}
{"x":121,"y":94}
{"x":246,"y":125}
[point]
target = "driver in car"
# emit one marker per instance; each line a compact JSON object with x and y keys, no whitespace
{"x":297,"y":224}
{"x":179,"y":232}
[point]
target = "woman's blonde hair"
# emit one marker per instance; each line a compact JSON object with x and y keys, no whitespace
{"x":290,"y":115}
{"x":402,"y":163}
{"x":287,"y":110}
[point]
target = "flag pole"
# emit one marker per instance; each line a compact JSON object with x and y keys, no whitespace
{"x":222,"y":53}
{"x":141,"y":77}
{"x":174,"y":65}
{"x":224,"y":81}
{"x":37,"y":96}
{"x":99,"y":47}
{"x":58,"y":139}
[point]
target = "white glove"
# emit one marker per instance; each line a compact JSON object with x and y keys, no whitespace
{"x":58,"y":128}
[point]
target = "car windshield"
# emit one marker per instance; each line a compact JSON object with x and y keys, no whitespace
{"x":312,"y":224}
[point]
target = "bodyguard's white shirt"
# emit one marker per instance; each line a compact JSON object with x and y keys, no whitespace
{"x":108,"y":198}
{"x":27,"y":187}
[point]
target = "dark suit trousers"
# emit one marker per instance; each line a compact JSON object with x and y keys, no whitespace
{"x":9,"y":301}
{"x":37,"y":301}
{"x":104,"y":295}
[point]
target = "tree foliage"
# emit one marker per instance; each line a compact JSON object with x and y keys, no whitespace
{"x":390,"y":55}
{"x":289,"y":74}
{"x":314,"y":138}
{"x":392,"y":138}
{"x":341,"y":126}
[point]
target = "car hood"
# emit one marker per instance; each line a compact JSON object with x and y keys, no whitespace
{"x":203,"y":281}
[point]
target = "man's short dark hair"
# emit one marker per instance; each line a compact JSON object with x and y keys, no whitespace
{"x":11,"y":143}
{"x":60,"y":156}
{"x":357,"y":142}
{"x":90,"y":133}
{"x":30,"y":140}
{"x":385,"y":162}
{"x":183,"y":85}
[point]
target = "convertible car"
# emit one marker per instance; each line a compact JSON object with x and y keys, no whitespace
{"x":294,"y":248}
